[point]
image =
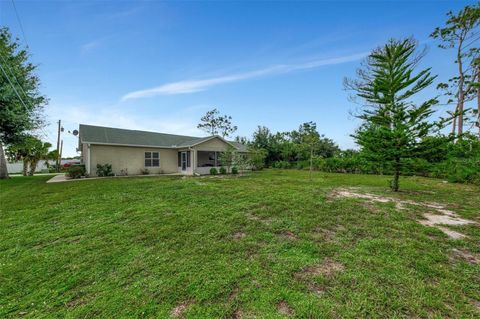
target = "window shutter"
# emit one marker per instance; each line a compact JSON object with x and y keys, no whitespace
{"x":179,"y":159}
{"x":188,"y":159}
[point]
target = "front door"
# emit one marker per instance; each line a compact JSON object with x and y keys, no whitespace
{"x":183,"y":160}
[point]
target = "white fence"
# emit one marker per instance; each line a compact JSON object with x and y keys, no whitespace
{"x":17,"y":167}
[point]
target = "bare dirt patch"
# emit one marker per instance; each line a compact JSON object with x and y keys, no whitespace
{"x":476,"y":304}
{"x":233,"y":294}
{"x":180,"y":309}
{"x":467,"y":256}
{"x":327,"y":269}
{"x":263,"y":220}
{"x":284,"y":309}
{"x":239,"y":235}
{"x":288,"y":235}
{"x":316,"y":289}
{"x":238,"y":314}
{"x":443,"y":216}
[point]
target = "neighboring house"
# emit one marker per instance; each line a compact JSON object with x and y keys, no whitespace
{"x":131,"y":151}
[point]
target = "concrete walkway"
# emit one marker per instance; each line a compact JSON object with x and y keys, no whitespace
{"x":64,"y":178}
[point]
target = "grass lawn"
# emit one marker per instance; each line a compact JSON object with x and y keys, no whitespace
{"x":269,"y":245}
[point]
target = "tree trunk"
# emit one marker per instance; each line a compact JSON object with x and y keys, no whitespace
{"x":25,"y":168}
{"x":454,"y":123}
{"x":396,"y":175}
{"x":33,"y":167}
{"x":461,"y":92}
{"x":3,"y":164}
{"x":311,"y":161}
{"x":460,"y":113}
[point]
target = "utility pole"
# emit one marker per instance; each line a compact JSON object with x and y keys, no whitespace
{"x":57,"y":162}
{"x":61,"y":150}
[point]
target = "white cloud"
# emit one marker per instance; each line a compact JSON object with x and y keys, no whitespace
{"x":191,"y":86}
{"x":87,"y":47}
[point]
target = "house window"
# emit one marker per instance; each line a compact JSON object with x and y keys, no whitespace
{"x":152,"y":159}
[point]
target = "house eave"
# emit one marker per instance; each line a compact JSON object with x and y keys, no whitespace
{"x":131,"y":145}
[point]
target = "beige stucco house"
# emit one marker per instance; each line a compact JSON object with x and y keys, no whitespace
{"x":131,"y":151}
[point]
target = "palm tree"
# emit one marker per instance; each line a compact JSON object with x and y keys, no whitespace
{"x":38,"y":152}
{"x":30,"y":150}
{"x":20,"y":150}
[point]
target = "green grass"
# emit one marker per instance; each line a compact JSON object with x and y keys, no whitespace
{"x":231,"y":248}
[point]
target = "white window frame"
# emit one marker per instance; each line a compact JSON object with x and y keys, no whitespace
{"x":151,"y":159}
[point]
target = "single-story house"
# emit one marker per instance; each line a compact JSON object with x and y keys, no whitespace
{"x":132,"y":151}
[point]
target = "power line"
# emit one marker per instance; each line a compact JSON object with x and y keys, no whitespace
{"x":13,"y":87}
{"x":13,"y":74}
{"x":20,"y":23}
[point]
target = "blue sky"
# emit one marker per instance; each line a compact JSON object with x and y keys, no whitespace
{"x":160,"y":66}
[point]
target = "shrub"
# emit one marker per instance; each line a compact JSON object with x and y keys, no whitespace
{"x":104,"y":170}
{"x":257,"y":158}
{"x":234,"y":170}
{"x":144,"y":171}
{"x":223,"y":170}
{"x":281,"y":164}
{"x":213,"y":171}
{"x":76,"y":171}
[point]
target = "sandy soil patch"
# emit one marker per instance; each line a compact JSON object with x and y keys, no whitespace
{"x":284,"y":309}
{"x":238,"y":314}
{"x":316,"y":289}
{"x":327,"y":269}
{"x":264,"y":220}
{"x":239,"y":235}
{"x":180,"y":309}
{"x":443,"y":215}
{"x":288,"y":235}
{"x":467,"y":256}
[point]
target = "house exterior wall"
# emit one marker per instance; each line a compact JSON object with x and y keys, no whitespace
{"x":130,"y":158}
{"x":84,"y":158}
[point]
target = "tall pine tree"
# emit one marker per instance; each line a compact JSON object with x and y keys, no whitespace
{"x":393,"y":125}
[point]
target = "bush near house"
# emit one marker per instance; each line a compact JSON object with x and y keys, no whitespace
{"x":104,"y":170}
{"x":76,"y":171}
{"x":213,"y":171}
{"x":223,"y":170}
{"x":234,"y":170}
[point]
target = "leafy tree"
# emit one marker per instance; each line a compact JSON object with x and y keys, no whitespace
{"x":309,"y":139}
{"x":214,"y":124}
{"x":393,"y":125}
{"x":19,"y":151}
{"x":227,"y":158}
{"x":241,"y":161}
{"x":241,"y":140}
{"x":30,"y":150}
{"x":257,"y":157}
{"x":38,"y":152}
{"x":20,"y":100}
{"x":461,"y":32}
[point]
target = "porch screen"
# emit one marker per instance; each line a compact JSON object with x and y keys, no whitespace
{"x":208,"y":159}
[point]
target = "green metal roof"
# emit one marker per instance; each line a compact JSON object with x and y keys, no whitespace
{"x":109,"y":135}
